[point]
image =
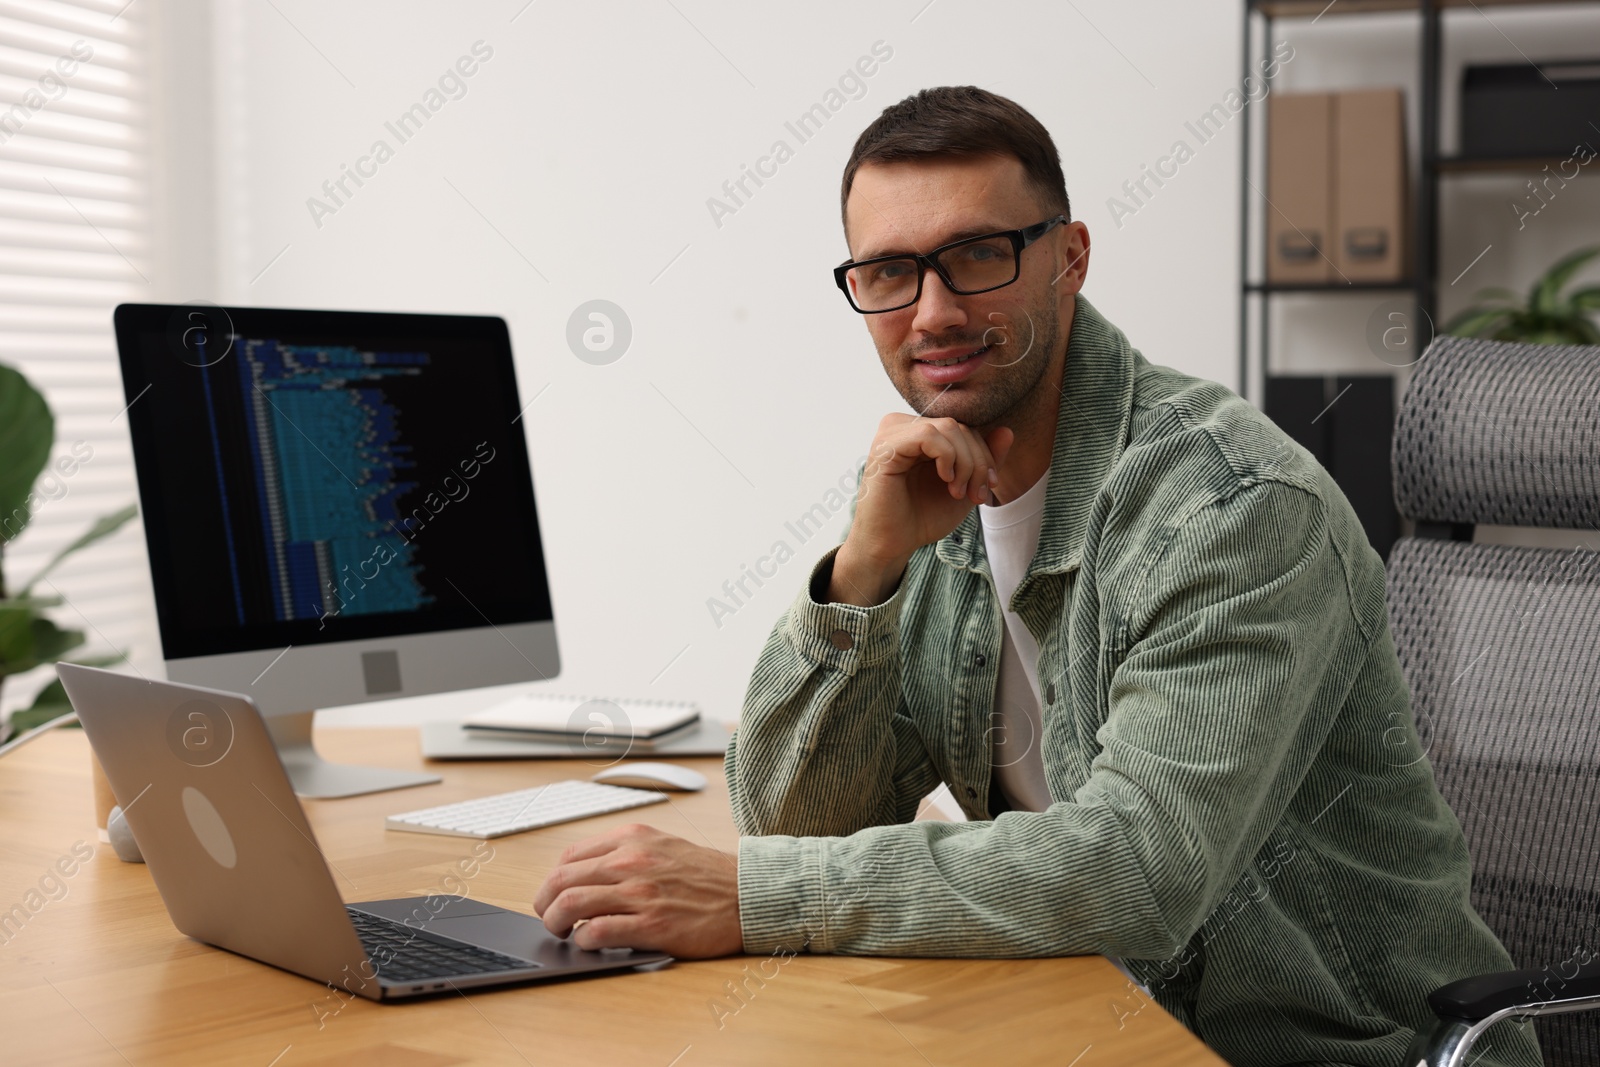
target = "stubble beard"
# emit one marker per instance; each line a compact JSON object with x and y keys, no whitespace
{"x":1012,"y":380}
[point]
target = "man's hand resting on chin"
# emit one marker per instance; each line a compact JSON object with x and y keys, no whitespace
{"x":641,"y":888}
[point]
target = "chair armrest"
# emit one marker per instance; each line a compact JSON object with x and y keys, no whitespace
{"x":1481,"y":996}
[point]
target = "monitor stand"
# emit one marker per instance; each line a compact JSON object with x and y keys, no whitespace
{"x":313,"y":776}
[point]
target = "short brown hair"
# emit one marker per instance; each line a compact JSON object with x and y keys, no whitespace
{"x":961,"y":120}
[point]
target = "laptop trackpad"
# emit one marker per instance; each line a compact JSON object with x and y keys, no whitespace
{"x":498,"y":929}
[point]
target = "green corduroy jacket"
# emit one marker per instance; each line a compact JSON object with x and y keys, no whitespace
{"x":1242,"y":808}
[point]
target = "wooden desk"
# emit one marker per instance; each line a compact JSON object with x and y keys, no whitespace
{"x":100,"y":976}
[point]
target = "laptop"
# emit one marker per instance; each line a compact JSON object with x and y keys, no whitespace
{"x":238,"y":866}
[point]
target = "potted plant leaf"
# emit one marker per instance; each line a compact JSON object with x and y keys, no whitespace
{"x":28,"y":637}
{"x":1546,"y":317}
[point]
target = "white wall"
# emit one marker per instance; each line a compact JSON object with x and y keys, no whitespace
{"x":590,"y":142}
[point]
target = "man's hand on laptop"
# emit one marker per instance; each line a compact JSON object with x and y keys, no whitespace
{"x":921,"y":479}
{"x":637,"y":887}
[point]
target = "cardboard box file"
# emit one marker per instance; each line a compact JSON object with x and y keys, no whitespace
{"x":1369,"y":186}
{"x":1299,"y":178}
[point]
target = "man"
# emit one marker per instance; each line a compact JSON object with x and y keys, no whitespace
{"x":1137,"y":632}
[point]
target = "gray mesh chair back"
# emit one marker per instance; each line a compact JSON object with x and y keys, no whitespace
{"x":1501,"y":645}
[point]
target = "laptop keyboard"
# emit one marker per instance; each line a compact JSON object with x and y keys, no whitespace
{"x":402,"y":953}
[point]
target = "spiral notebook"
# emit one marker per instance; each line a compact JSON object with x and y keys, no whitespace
{"x":550,"y":717}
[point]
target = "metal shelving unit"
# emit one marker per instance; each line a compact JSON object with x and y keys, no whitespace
{"x":1260,"y":15}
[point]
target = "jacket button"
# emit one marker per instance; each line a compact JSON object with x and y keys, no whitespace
{"x":980,"y":659}
{"x":1050,"y":693}
{"x":956,"y":538}
{"x":842,"y":640}
{"x":971,"y":792}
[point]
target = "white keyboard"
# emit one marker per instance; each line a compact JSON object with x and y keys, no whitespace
{"x":524,"y":809}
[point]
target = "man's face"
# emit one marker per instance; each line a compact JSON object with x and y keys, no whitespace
{"x":1010,"y":335}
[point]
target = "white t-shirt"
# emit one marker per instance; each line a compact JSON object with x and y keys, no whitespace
{"x":1010,"y":537}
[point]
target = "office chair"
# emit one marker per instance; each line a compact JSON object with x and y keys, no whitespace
{"x":1501,"y":648}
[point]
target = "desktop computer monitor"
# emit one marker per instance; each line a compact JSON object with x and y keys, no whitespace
{"x":338,"y":508}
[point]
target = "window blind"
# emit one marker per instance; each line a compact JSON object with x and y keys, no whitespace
{"x":75,"y":242}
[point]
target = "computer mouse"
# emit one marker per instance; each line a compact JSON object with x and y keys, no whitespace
{"x":652,"y":776}
{"x":122,"y":842}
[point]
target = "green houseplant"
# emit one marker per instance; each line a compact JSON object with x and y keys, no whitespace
{"x":1546,"y":317}
{"x":28,"y":637}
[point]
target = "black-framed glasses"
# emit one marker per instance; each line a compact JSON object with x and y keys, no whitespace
{"x":971,"y":265}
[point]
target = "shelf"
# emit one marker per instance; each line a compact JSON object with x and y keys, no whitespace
{"x":1259,"y":30}
{"x":1329,"y":287}
{"x":1313,"y":9}
{"x":1495,"y":164}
